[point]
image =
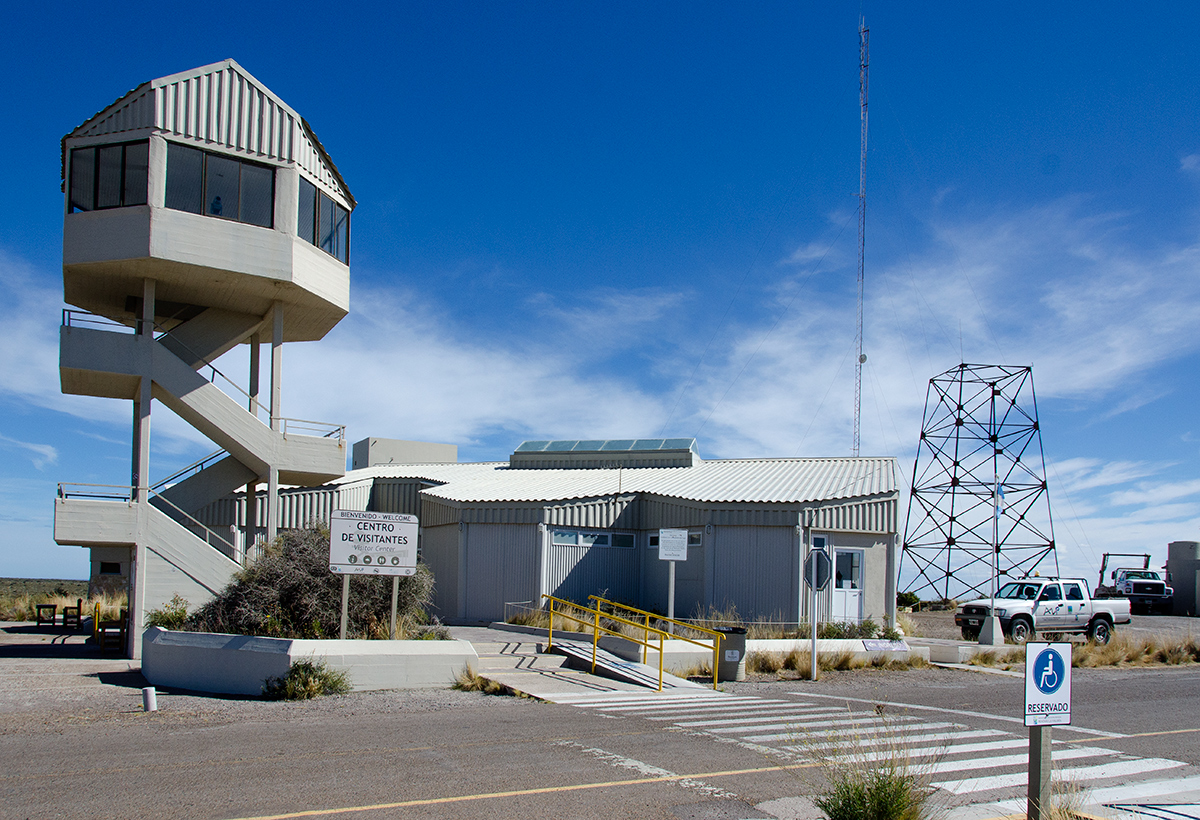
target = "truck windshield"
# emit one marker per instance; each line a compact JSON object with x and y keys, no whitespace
{"x":1026,"y":592}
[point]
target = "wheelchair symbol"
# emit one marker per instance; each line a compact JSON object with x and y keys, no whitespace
{"x":1048,"y":671}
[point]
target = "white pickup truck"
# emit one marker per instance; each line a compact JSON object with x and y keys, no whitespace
{"x":1051,"y":606}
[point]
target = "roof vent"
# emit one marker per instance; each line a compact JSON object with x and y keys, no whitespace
{"x":593,"y":454}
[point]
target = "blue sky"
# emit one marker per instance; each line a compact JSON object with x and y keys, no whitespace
{"x":581,"y":220}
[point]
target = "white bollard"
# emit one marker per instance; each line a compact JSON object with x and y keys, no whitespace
{"x":149,"y":699}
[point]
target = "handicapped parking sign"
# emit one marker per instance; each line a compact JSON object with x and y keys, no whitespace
{"x":1047,"y":684}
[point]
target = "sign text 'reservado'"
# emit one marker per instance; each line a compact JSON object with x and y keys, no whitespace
{"x":372,"y":543}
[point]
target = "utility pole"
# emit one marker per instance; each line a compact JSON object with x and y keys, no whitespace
{"x":864,"y":34}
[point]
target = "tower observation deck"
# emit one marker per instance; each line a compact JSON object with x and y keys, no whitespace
{"x":201,"y":213}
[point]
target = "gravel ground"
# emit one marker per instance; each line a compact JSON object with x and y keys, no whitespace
{"x":58,"y":680}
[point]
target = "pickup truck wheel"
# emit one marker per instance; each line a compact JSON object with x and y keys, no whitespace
{"x":970,"y":633}
{"x":1020,"y":631}
{"x":1099,"y":632}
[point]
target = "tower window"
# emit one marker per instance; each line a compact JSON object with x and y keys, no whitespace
{"x":323,"y":222}
{"x":109,"y":176}
{"x":217,"y":185}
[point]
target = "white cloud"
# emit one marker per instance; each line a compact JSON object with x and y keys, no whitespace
{"x":42,"y":455}
{"x":1190,"y":163}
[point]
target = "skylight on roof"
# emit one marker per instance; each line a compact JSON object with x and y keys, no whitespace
{"x":622,"y":445}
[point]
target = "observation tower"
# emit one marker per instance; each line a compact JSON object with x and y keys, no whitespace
{"x":201,"y":213}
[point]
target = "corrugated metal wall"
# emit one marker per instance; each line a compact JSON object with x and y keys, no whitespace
{"x":598,"y":513}
{"x":225,"y":108}
{"x":502,"y":565}
{"x":397,"y":495}
{"x":876,"y":515}
{"x":439,"y":550}
{"x":574,"y":573}
{"x":755,"y":569}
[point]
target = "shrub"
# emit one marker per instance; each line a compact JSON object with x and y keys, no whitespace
{"x":173,"y":614}
{"x":872,"y":778}
{"x":290,"y":593}
{"x":307,"y":679}
{"x":470,"y":681}
{"x":908,"y":599}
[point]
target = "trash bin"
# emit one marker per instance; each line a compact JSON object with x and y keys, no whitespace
{"x":731,"y":664}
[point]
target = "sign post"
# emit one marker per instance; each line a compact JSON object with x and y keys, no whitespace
{"x":1047,"y":703}
{"x":372,"y":543}
{"x":817,"y":569}
{"x":672,"y":546}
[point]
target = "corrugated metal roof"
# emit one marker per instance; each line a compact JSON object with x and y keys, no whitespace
{"x":751,"y":481}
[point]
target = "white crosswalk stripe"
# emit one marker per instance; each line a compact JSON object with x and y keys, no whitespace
{"x":938,"y":745}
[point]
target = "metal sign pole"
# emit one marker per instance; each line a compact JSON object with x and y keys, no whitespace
{"x":1040,"y":771}
{"x":671,"y":597}
{"x":395,"y":598}
{"x":812,"y":615}
{"x":345,"y":598}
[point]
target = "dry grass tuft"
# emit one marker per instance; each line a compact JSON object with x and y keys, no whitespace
{"x":471,"y":681}
{"x":1123,"y":650}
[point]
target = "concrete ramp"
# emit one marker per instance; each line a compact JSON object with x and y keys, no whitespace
{"x":608,"y":665}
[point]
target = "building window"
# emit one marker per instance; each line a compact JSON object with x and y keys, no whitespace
{"x":109,"y":176}
{"x":575,"y":538}
{"x":217,"y":185}
{"x":323,"y":222}
{"x":110,"y":567}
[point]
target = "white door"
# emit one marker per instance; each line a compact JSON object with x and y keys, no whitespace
{"x":847,"y":586}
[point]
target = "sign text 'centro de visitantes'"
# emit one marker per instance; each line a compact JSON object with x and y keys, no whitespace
{"x":372,"y":543}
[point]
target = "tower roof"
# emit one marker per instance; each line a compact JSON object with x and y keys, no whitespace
{"x":221,"y":106}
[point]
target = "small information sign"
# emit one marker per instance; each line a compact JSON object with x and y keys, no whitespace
{"x":1047,"y":684}
{"x":672,"y":545}
{"x":372,"y":543}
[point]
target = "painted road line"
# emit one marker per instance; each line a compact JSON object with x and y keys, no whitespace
{"x":932,"y":737}
{"x":933,"y":751}
{"x":1124,"y":768}
{"x":851,"y":739}
{"x":942,"y":766}
{"x":636,"y":698}
{"x":752,"y":719}
{"x":684,"y":706}
{"x":871,"y":725}
{"x":961,"y":712}
{"x":742,"y":710}
{"x":1125,"y":793}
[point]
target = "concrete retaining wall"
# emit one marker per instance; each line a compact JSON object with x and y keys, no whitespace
{"x":679,"y":656}
{"x":238,"y":664}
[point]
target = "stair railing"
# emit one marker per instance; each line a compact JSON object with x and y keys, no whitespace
{"x":594,"y":622}
{"x":121,"y":493}
{"x":187,"y":471}
{"x":320,"y":429}
{"x":671,"y":623}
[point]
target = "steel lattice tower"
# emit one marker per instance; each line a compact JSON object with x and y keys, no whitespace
{"x":979,"y":433}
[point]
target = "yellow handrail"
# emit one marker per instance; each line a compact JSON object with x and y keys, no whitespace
{"x":648,"y":615}
{"x":646,"y":629}
{"x":597,"y":628}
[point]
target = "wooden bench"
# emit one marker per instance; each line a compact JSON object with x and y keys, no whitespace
{"x":111,"y":634}
{"x":46,"y":614}
{"x":73,"y":615}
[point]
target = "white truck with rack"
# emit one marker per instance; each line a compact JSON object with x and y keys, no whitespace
{"x":1144,"y":587}
{"x":1050,"y":606}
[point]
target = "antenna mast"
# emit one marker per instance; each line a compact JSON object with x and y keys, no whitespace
{"x":864,"y":35}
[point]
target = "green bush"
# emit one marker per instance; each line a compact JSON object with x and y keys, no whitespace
{"x":886,"y":793}
{"x":173,"y":614}
{"x":290,"y":593}
{"x":305,"y":680}
{"x":908,"y":599}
